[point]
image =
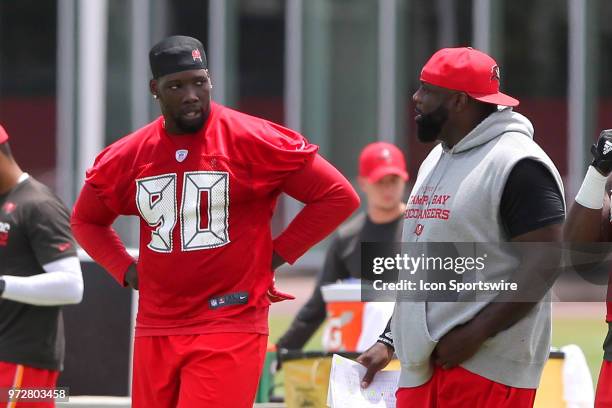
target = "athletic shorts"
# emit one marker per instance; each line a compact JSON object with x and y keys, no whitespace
{"x":195,"y":371}
{"x":603,"y":396}
{"x":19,"y":376}
{"x":460,"y":388}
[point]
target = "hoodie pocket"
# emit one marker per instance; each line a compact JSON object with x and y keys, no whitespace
{"x":411,"y":337}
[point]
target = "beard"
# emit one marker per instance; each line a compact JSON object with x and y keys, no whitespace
{"x":429,"y":125}
{"x":189,"y":125}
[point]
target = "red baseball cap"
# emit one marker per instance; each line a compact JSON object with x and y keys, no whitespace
{"x":380,"y":159}
{"x":3,"y":135}
{"x":468,"y":70}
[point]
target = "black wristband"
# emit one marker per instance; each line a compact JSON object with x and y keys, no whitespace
{"x":386,"y":342}
{"x":2,"y":286}
{"x":387,"y":337}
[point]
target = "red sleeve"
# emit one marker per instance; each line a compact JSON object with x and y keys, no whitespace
{"x":329,"y":199}
{"x":277,"y":152}
{"x":91,"y":224}
{"x":108,"y":178}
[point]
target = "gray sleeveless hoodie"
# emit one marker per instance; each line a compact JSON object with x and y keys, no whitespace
{"x":471,"y":177}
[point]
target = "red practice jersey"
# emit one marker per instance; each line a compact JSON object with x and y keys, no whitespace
{"x":205,"y":202}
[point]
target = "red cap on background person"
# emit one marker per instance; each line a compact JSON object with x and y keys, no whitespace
{"x":468,"y":70}
{"x":3,"y":135}
{"x":381,"y":159}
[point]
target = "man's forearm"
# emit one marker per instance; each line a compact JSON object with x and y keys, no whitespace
{"x":496,"y":317}
{"x":298,"y":334}
{"x":583,"y":224}
{"x":329,"y":199}
{"x":105,"y":247}
{"x":538,"y":269}
{"x":91,"y":224}
{"x":508,"y":308}
{"x":61,"y":284}
{"x":584,"y":229}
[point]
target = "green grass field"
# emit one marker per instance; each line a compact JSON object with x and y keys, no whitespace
{"x":587,"y":333}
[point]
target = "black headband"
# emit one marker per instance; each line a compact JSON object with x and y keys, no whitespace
{"x":175,"y":54}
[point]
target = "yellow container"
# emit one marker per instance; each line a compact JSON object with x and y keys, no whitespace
{"x":306,"y":377}
{"x":550,"y":391}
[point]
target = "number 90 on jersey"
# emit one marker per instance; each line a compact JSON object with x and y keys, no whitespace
{"x":158,"y":204}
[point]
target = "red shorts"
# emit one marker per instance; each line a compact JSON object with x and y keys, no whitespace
{"x":20,"y":376}
{"x":603,"y":396}
{"x":460,"y":388}
{"x":200,"y":370}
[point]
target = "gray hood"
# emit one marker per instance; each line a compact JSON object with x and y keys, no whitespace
{"x":496,"y":124}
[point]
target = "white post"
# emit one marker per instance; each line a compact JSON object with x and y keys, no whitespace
{"x":93,"y":26}
{"x":576,"y":94}
{"x":293,"y":64}
{"x":481,"y":16}
{"x":140,"y":38}
{"x":133,"y":314}
{"x":139,"y":104}
{"x":294,"y":51}
{"x":447,"y":26}
{"x":387,"y":61}
{"x":64,"y":158}
{"x":217,"y":48}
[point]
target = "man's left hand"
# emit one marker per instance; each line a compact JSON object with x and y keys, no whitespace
{"x":131,"y":277}
{"x":458,"y":345}
{"x":275,"y":295}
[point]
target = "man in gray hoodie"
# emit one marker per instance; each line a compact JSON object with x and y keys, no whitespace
{"x":486,"y":182}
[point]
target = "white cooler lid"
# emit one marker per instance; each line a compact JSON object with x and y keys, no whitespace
{"x":342,"y":292}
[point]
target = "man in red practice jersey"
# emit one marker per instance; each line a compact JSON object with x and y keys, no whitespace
{"x":204,"y":180}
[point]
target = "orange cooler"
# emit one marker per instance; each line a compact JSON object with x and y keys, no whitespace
{"x":352,"y":325}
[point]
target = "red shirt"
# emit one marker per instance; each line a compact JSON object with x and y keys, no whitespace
{"x":205,"y":202}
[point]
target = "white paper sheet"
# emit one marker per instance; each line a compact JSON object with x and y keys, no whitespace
{"x":345,"y":390}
